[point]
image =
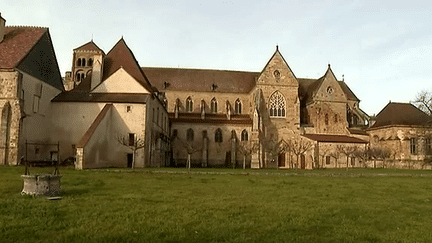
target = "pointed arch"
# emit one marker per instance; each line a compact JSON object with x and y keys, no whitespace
{"x":6,"y":115}
{"x":238,"y":106}
{"x":277,"y":105}
{"x":244,"y":135}
{"x":189,"y":104}
{"x":218,"y":135}
{"x":213,"y":105}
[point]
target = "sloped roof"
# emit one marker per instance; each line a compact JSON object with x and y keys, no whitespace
{"x":201,"y":80}
{"x":325,"y":138}
{"x":89,"y":46}
{"x":17,"y":43}
{"x":400,"y":114}
{"x":84,"y":140}
{"x":308,"y":87}
{"x":120,"y":56}
{"x":76,"y":96}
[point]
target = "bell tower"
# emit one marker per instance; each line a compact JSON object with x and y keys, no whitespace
{"x":83,"y":61}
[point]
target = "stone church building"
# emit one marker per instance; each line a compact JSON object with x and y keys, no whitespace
{"x":171,"y":116}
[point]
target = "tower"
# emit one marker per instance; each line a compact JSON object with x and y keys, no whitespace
{"x":83,"y":61}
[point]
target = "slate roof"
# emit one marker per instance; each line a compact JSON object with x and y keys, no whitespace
{"x":325,"y":138}
{"x":235,"y":119}
{"x":17,"y":43}
{"x":201,"y":80}
{"x":401,"y":114}
{"x":89,"y":46}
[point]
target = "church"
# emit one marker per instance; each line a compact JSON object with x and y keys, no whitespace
{"x":109,"y":111}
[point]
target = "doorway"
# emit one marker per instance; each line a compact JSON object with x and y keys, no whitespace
{"x":281,"y":160}
{"x":302,"y":162}
{"x":129,"y":160}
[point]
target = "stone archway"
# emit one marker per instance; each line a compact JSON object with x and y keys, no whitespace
{"x":5,"y":133}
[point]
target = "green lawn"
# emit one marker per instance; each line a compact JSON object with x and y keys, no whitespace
{"x":212,"y":205}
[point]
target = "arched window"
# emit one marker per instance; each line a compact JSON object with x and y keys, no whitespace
{"x":218,"y":136}
{"x":190,"y":135}
{"x":238,"y":107}
{"x":79,"y":62}
{"x":189,"y":104}
{"x":213,"y":105}
{"x":326,"y":119}
{"x":79,"y":76}
{"x":83,"y":62}
{"x":244,"y":135}
{"x":82,"y":76}
{"x":90,"y":62}
{"x":336,"y":118}
{"x":277,"y":105}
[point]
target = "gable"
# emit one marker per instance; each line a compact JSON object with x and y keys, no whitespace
{"x":329,"y":89}
{"x":41,"y":63}
{"x":120,"y":82}
{"x":277,"y":72}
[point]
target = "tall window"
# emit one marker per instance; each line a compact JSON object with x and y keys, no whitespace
{"x":90,"y":62}
{"x":190,"y":135}
{"x":327,"y":160}
{"x":326,"y":119}
{"x":277,"y":105}
{"x":244,"y":135}
{"x":238,"y":107}
{"x":83,"y":62}
{"x":79,"y":62}
{"x":131,"y":139}
{"x":213,"y":105}
{"x":428,"y":146}
{"x":189,"y":104}
{"x":218,"y":136}
{"x":413,"y":145}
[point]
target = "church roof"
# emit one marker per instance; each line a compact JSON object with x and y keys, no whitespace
{"x":17,"y":43}
{"x":327,"y":138}
{"x":201,"y":80}
{"x":89,"y":46}
{"x":401,"y":114}
{"x":120,"y":56}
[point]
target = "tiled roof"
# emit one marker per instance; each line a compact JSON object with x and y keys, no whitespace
{"x":79,"y":96}
{"x":17,"y":43}
{"x":89,"y":46}
{"x":400,"y":114}
{"x":324,"y":138}
{"x":308,"y":87}
{"x":201,"y":80}
{"x":120,"y":56}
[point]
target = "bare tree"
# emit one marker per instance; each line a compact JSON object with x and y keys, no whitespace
{"x":246,"y":149}
{"x":423,"y":101}
{"x":323,"y":152}
{"x":336,"y":154}
{"x":347,"y":151}
{"x":299,"y":147}
{"x":133,"y":143}
{"x":190,"y":149}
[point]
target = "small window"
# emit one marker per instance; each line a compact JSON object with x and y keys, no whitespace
{"x":189,"y":104}
{"x":174,"y":133}
{"x":352,"y":161}
{"x":131,"y":139}
{"x":276,"y":74}
{"x":244,"y":135}
{"x":326,"y":119}
{"x":329,"y":90}
{"x":90,"y":62}
{"x":327,"y":160}
{"x":190,"y":135}
{"x":83,"y":62}
{"x":79,"y":62}
{"x":238,"y":107}
{"x":336,"y":118}
{"x":413,"y":146}
{"x":213,"y":105}
{"x":218,"y":136}
{"x":128,"y":108}
{"x":428,"y":146}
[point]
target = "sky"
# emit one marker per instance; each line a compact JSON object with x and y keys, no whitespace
{"x":382,"y":49}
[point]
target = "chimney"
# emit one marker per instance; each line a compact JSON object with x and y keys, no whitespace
{"x":2,"y":28}
{"x":97,"y":71}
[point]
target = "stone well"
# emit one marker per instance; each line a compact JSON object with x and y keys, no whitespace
{"x":41,"y":184}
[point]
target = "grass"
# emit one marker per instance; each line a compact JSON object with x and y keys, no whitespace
{"x":221,"y":205}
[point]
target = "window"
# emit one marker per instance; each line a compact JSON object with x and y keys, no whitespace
{"x":413,"y":146}
{"x":79,"y":62}
{"x":352,"y":161}
{"x":326,"y":119}
{"x":244,"y":135}
{"x":90,"y":62}
{"x":277,"y":105}
{"x":327,"y":160}
{"x":238,"y":107}
{"x":336,"y":118}
{"x":189,"y":104}
{"x":428,"y":146}
{"x":131,"y":139}
{"x":83,"y":62}
{"x":213,"y":105}
{"x":174,"y":134}
{"x":190,"y":135}
{"x":128,"y":108}
{"x":218,"y":136}
{"x":276,"y":74}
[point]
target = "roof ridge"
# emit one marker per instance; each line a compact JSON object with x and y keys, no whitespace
{"x":204,"y":69}
{"x":26,"y":26}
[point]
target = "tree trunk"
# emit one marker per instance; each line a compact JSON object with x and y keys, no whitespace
{"x":244,"y":162}
{"x":133,"y":158}
{"x":188,"y":162}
